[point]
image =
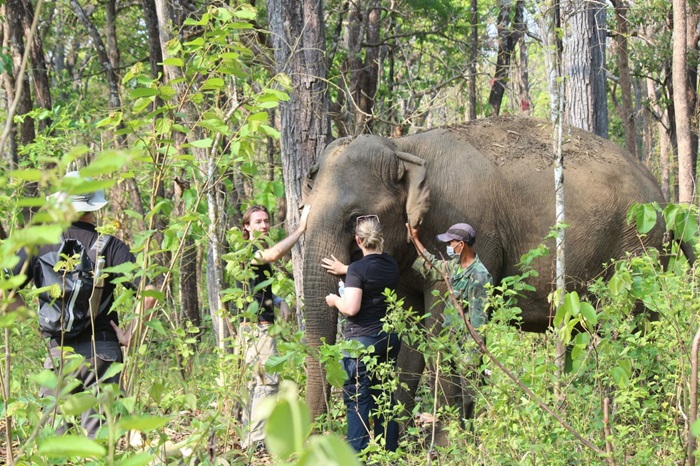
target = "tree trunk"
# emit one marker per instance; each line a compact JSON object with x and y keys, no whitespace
{"x":187,"y":279}
{"x":114,"y":101}
{"x":626,"y":110}
{"x":686,"y":171}
{"x":155,"y":56}
{"x":14,"y":32}
{"x":473,"y":55}
{"x":40,"y":75}
{"x":362,"y":73}
{"x":584,"y":58}
{"x":523,"y":78}
{"x":298,"y":41}
{"x":509,"y":33}
{"x":663,"y":126}
{"x":553,"y":59}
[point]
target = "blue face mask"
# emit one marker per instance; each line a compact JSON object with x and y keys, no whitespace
{"x":451,"y":251}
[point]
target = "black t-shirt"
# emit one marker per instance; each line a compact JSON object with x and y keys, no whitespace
{"x":373,"y":274}
{"x":264,"y":296}
{"x":115,"y":253}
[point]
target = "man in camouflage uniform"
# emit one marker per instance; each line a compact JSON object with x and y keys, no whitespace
{"x":468,"y":277}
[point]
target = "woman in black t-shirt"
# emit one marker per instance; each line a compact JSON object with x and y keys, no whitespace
{"x":364,"y":305}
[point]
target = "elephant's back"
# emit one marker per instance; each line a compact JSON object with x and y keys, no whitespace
{"x":519,"y":144}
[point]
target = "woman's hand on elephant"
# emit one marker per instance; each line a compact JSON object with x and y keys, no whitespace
{"x":334,"y":266}
{"x":304,"y":216}
{"x":330,"y":299}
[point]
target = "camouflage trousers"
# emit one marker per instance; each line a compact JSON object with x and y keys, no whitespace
{"x":257,"y":346}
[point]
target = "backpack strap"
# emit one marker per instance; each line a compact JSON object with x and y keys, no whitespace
{"x":98,"y":247}
{"x":94,"y":254}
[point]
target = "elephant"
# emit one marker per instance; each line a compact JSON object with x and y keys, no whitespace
{"x":495,"y":174}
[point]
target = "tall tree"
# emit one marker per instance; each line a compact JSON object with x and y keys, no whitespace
{"x":511,"y":28}
{"x":584,"y":61}
{"x":686,"y":165}
{"x":626,"y":109}
{"x":298,"y":41}
{"x":473,"y":55}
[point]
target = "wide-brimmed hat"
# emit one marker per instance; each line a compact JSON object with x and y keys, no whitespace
{"x":86,"y":202}
{"x":459,"y":232}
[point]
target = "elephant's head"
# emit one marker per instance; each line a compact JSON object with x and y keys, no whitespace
{"x":367,"y":175}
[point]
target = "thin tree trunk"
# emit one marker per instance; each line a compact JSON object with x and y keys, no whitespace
{"x":686,"y":172}
{"x":509,"y":33}
{"x":473,"y":55}
{"x":523,"y":79}
{"x":155,"y":56}
{"x":665,"y":147}
{"x":187,"y":279}
{"x":15,"y":32}
{"x":553,"y":59}
{"x":627,"y":110}
{"x":40,"y":75}
{"x":114,"y":100}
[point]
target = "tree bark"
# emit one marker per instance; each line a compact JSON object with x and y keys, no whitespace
{"x":111,"y":76}
{"x":509,"y":33}
{"x":473,"y":54}
{"x":524,"y":79}
{"x":663,"y":126}
{"x":14,"y":31}
{"x":155,"y":56}
{"x":40,"y":75}
{"x":298,"y":41}
{"x":187,"y":278}
{"x":627,"y":109}
{"x":686,"y":169}
{"x":584,"y":59}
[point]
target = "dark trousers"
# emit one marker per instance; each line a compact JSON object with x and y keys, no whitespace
{"x":359,"y":394}
{"x":89,"y":374}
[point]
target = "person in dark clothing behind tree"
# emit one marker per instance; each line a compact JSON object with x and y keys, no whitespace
{"x":364,"y":305}
{"x":108,"y":335}
{"x":253,"y":338}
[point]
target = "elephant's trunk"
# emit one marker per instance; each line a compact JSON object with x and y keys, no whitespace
{"x":321,"y":320}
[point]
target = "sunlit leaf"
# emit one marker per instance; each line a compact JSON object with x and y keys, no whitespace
{"x":78,"y":403}
{"x":114,"y":369}
{"x":335,"y":374}
{"x":71,"y":445}
{"x":287,"y":427}
{"x":328,"y":450}
{"x":143,"y":92}
{"x":139,"y":459}
{"x":588,"y":312}
{"x":202,"y":143}
{"x":143,"y":423}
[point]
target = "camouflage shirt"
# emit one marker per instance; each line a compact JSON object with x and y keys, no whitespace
{"x":468,"y":285}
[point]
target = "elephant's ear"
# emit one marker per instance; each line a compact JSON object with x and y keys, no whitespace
{"x":308,"y":184}
{"x":418,"y":193}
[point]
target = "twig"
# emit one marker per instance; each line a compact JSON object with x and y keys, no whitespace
{"x":606,"y":431}
{"x":693,"y":415}
{"x":435,"y":400}
{"x":6,"y":397}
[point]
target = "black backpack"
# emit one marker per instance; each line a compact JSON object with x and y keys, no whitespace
{"x":65,"y":313}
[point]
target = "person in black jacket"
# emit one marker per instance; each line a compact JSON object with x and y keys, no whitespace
{"x":364,"y":305}
{"x":108,"y":335}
